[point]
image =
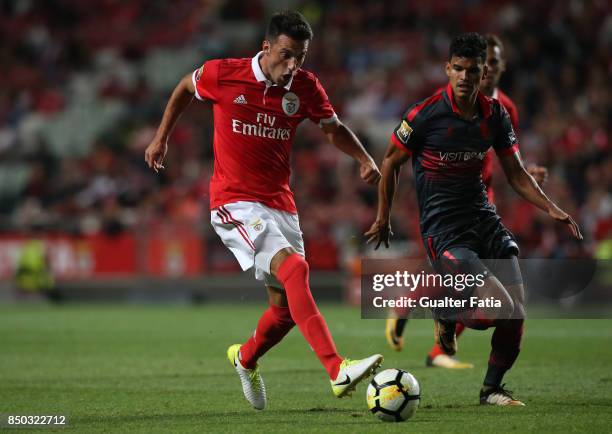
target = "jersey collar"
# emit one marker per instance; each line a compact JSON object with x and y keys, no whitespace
{"x":259,"y":75}
{"x":483,"y":101}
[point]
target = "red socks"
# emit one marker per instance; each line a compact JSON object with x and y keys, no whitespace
{"x":276,"y":321}
{"x":293,"y":274}
{"x":272,"y":327}
{"x":436,"y":350}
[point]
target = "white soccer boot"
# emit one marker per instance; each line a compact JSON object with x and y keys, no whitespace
{"x":252,"y":384}
{"x":352,"y":372}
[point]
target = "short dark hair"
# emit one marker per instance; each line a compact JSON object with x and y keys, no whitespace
{"x":290,"y":23}
{"x":494,"y":41}
{"x":468,"y":45}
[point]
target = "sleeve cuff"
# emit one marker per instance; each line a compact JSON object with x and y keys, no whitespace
{"x":330,"y":120}
{"x":195,"y":86}
{"x":400,"y":145}
{"x":508,"y":151}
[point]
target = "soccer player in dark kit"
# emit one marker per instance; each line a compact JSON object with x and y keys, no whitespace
{"x":447,"y":136}
{"x":257,"y":105}
{"x":496,"y":65}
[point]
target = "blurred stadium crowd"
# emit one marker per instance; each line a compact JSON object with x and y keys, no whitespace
{"x":84,"y":85}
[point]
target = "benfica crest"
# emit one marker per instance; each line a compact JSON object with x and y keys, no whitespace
{"x":291,"y":103}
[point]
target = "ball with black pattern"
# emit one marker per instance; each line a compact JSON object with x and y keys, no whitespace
{"x":393,"y":395}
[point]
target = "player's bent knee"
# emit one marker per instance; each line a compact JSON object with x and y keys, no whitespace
{"x":507,"y":306}
{"x":503,"y":304}
{"x":293,"y":265}
{"x":517,"y":292}
{"x":519,"y":312}
{"x":279,"y":258}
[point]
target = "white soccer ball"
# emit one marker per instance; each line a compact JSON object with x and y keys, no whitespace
{"x":393,"y":395}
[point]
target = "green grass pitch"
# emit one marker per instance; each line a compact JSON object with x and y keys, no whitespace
{"x":163,"y":369}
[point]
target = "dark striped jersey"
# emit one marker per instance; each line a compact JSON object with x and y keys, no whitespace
{"x":447,"y":157}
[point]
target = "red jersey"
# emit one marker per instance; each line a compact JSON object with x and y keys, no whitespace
{"x":254,"y":124}
{"x":487,"y":167}
{"x":509,"y":106}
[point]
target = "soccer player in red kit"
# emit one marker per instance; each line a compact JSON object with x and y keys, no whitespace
{"x":496,"y":65}
{"x":257,"y":105}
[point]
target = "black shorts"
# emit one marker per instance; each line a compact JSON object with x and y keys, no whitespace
{"x":481,"y":248}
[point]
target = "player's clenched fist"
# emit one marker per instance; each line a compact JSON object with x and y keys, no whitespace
{"x":155,"y":153}
{"x":369,"y":173}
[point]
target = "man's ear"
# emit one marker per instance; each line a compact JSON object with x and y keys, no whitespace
{"x":485,"y":71}
{"x":447,"y":69}
{"x":265,"y":46}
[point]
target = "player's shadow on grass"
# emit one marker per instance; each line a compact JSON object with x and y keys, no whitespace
{"x":229,"y":373}
{"x":357,"y":415}
{"x":269,"y":416}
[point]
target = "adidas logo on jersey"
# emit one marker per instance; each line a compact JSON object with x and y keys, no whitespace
{"x":240,"y":100}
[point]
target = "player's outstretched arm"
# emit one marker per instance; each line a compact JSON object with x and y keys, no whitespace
{"x":526,"y":186}
{"x":345,"y":140}
{"x":380,"y":231}
{"x":179,"y":100}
